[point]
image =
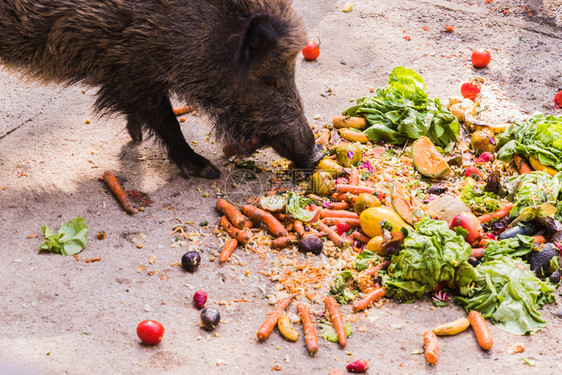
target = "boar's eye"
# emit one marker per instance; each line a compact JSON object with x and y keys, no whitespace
{"x":270,"y":81}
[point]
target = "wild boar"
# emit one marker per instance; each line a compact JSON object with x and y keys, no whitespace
{"x":234,"y":59}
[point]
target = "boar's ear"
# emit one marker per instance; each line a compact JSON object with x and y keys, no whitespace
{"x":260,"y":36}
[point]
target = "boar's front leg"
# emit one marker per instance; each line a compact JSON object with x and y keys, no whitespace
{"x":162,"y":122}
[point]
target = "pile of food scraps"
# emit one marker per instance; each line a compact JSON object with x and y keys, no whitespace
{"x":413,"y":199}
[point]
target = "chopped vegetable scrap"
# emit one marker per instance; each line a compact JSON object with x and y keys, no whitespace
{"x":414,"y":199}
{"x":70,"y":239}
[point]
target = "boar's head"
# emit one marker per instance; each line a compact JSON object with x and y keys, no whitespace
{"x":264,"y":107}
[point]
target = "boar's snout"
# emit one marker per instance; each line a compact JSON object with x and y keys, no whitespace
{"x":303,"y":151}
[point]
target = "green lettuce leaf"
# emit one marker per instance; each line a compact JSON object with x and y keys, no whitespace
{"x":509,"y":294}
{"x":431,"y":254}
{"x":296,"y":207}
{"x":533,"y":189}
{"x":515,"y":247}
{"x":539,"y":136}
{"x":69,"y":240}
{"x":403,"y":111}
{"x":341,"y":289}
{"x":328,"y":332}
{"x":363,"y":259}
{"x":477,"y":199}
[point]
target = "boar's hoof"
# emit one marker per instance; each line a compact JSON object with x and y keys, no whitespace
{"x":205,"y":170}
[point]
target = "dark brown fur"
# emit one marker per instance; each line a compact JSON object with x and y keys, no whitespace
{"x":234,"y":59}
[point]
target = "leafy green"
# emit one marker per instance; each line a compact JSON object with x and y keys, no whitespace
{"x":509,"y":294}
{"x":296,"y":207}
{"x":363,"y":259}
{"x":341,"y":288}
{"x":477,"y":199}
{"x":539,"y":136}
{"x":328,"y":332}
{"x":515,"y":247}
{"x":69,"y":240}
{"x":403,"y":111}
{"x":533,"y":189}
{"x":431,"y":254}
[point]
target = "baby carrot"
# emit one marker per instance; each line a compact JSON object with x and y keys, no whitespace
{"x":374,"y":270}
{"x":257,"y":214}
{"x":298,"y":226}
{"x":354,"y":176}
{"x":267,"y":327}
{"x":358,"y":236}
{"x":338,"y":213}
{"x":481,"y":330}
{"x":336,"y":318}
{"x":371,"y":297}
{"x":338,"y":205}
{"x":521,"y":164}
{"x":182,"y":110}
{"x":353,"y":223}
{"x":282,"y":242}
{"x":336,"y":238}
{"x":234,"y":232}
{"x":503,"y":211}
{"x":431,"y":347}
{"x":228,"y":248}
{"x":233,"y":214}
{"x":118,"y":191}
{"x":343,"y":188}
{"x":310,"y":337}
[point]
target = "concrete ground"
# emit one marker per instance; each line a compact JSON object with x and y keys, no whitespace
{"x":62,"y":316}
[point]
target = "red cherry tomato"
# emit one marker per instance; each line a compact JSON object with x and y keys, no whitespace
{"x":311,"y":51}
{"x":342,"y":227}
{"x":150,"y":332}
{"x":470,"y":90}
{"x":480,"y":58}
{"x":558,"y":100}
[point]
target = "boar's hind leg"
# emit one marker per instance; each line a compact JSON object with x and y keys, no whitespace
{"x":163,"y":123}
{"x":134,"y":126}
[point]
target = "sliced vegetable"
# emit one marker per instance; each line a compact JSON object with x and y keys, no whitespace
{"x":405,"y":204}
{"x":428,"y":160}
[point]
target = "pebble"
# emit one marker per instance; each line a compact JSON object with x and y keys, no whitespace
{"x":558,"y":313}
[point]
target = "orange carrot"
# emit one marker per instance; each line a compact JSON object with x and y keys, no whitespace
{"x":353,"y":223}
{"x":539,"y":239}
{"x":502,"y":212}
{"x":233,"y":214}
{"x":267,"y":327}
{"x":431,"y":347}
{"x":182,"y":110}
{"x":371,"y":297}
{"x":374,"y":270}
{"x":336,"y":238}
{"x":478,"y":252}
{"x":481,"y":330}
{"x":336,"y":318}
{"x":338,"y":213}
{"x":230,"y":245}
{"x":342,"y":188}
{"x":338,"y":205}
{"x":347,"y":197}
{"x":282,"y":242}
{"x":299,"y":228}
{"x":227,"y":250}
{"x":358,"y":236}
{"x":289,"y":227}
{"x":354,"y":176}
{"x":521,"y":164}
{"x":118,"y":191}
{"x":240,"y":235}
{"x":279,"y":216}
{"x":256,"y":214}
{"x":310,"y":336}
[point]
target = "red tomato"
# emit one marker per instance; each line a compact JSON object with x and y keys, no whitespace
{"x":342,"y":227}
{"x":150,"y":332}
{"x":311,"y":51}
{"x":470,"y":90}
{"x":558,"y":100}
{"x":480,"y":58}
